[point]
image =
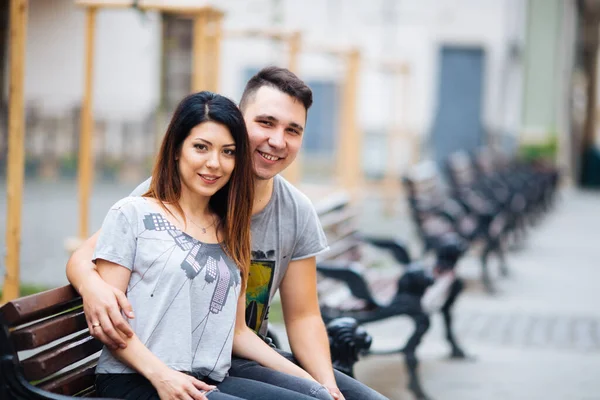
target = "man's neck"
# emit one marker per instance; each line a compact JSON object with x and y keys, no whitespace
{"x":263,"y":190}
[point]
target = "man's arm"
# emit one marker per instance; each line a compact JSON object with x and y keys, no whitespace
{"x":101,"y":301}
{"x":305,"y":328}
{"x":247,"y":344}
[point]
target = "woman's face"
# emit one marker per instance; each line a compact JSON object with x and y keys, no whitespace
{"x":207,"y":158}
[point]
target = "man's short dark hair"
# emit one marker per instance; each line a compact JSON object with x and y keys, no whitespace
{"x":281,"y":79}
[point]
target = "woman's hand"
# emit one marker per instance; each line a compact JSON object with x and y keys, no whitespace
{"x":175,"y":385}
{"x":335,"y":392}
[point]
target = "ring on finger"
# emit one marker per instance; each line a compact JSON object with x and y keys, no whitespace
{"x":95,"y":324}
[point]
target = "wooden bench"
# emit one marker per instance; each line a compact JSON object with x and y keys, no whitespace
{"x":47,"y":351}
{"x":404,"y":289}
{"x":536,"y":181}
{"x":437,"y":213}
{"x":466,"y":174}
{"x":518,"y":191}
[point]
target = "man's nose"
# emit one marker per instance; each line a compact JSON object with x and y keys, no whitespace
{"x":277,"y":139}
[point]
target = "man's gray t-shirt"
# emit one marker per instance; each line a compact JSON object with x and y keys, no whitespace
{"x":287,"y":229}
{"x":184,"y":292}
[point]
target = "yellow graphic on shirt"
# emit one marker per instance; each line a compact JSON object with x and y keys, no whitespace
{"x":260,"y":280}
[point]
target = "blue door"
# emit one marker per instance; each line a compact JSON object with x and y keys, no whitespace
{"x":457,"y":124}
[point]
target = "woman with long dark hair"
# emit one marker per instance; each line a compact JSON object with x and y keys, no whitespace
{"x":182,"y":252}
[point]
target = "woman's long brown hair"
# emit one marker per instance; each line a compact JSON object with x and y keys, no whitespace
{"x":233,"y":202}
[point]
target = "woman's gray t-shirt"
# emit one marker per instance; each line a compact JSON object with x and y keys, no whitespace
{"x":286,"y":230}
{"x":184,"y":292}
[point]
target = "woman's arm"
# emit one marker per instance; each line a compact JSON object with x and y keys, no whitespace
{"x":169,"y":384}
{"x":248,"y":345}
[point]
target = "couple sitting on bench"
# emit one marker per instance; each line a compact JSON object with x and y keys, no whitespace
{"x":200,"y":287}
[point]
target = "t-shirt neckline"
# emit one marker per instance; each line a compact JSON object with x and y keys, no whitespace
{"x":155,"y":208}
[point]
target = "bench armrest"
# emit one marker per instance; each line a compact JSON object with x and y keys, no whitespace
{"x":347,"y":272}
{"x":397,"y":247}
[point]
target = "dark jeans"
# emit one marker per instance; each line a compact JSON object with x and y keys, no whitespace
{"x":136,"y":387}
{"x":350,"y":388}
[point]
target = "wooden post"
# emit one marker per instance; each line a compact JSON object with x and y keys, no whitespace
{"x":199,"y":63}
{"x":214,"y":50}
{"x":293,"y":172}
{"x":389,"y":182}
{"x":396,"y":134}
{"x":294,"y":43}
{"x":16,"y":157}
{"x":86,"y":155}
{"x":349,"y":161}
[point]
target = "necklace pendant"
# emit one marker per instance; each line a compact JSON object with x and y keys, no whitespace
{"x":203,"y":230}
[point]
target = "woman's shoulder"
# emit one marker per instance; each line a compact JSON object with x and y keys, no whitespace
{"x":129,"y":204}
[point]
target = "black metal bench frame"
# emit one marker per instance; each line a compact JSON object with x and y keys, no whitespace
{"x":343,"y":264}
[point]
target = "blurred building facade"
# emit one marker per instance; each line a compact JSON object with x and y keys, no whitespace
{"x":475,"y":72}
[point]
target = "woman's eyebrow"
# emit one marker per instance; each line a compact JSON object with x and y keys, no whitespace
{"x":203,"y":140}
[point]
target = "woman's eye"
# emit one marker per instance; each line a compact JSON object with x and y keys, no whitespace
{"x":229,"y":152}
{"x":199,"y":146}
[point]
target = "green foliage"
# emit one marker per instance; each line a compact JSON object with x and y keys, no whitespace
{"x":68,"y":165}
{"x":275,"y":312}
{"x":546,"y":150}
{"x":110,"y":167}
{"x":26,"y":289}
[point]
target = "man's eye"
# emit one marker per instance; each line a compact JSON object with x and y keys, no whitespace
{"x":267,"y":123}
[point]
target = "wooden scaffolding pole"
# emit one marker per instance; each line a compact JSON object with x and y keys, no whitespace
{"x":199,"y":53}
{"x":349,"y":162}
{"x":213,"y":40}
{"x":396,"y":135}
{"x":16,"y":156}
{"x":86,"y":155}
{"x":293,"y":172}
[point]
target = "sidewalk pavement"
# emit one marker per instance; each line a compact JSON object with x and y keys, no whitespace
{"x":537,"y":338}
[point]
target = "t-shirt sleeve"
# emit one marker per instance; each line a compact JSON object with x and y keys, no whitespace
{"x":312,"y":240}
{"x":118,"y":237}
{"x":141,"y":189}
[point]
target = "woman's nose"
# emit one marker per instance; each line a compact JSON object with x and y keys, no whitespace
{"x":213,"y":160}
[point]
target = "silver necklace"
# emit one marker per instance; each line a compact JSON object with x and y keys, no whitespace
{"x":203,"y":229}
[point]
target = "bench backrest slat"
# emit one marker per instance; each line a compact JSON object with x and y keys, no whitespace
{"x":47,"y":331}
{"x":348,"y":248}
{"x":73,"y":382}
{"x":58,"y":357}
{"x":37,"y":306}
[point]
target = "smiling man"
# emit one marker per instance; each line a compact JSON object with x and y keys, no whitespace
{"x":286,"y":237}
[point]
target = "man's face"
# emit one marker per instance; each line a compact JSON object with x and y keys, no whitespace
{"x":275,"y":123}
